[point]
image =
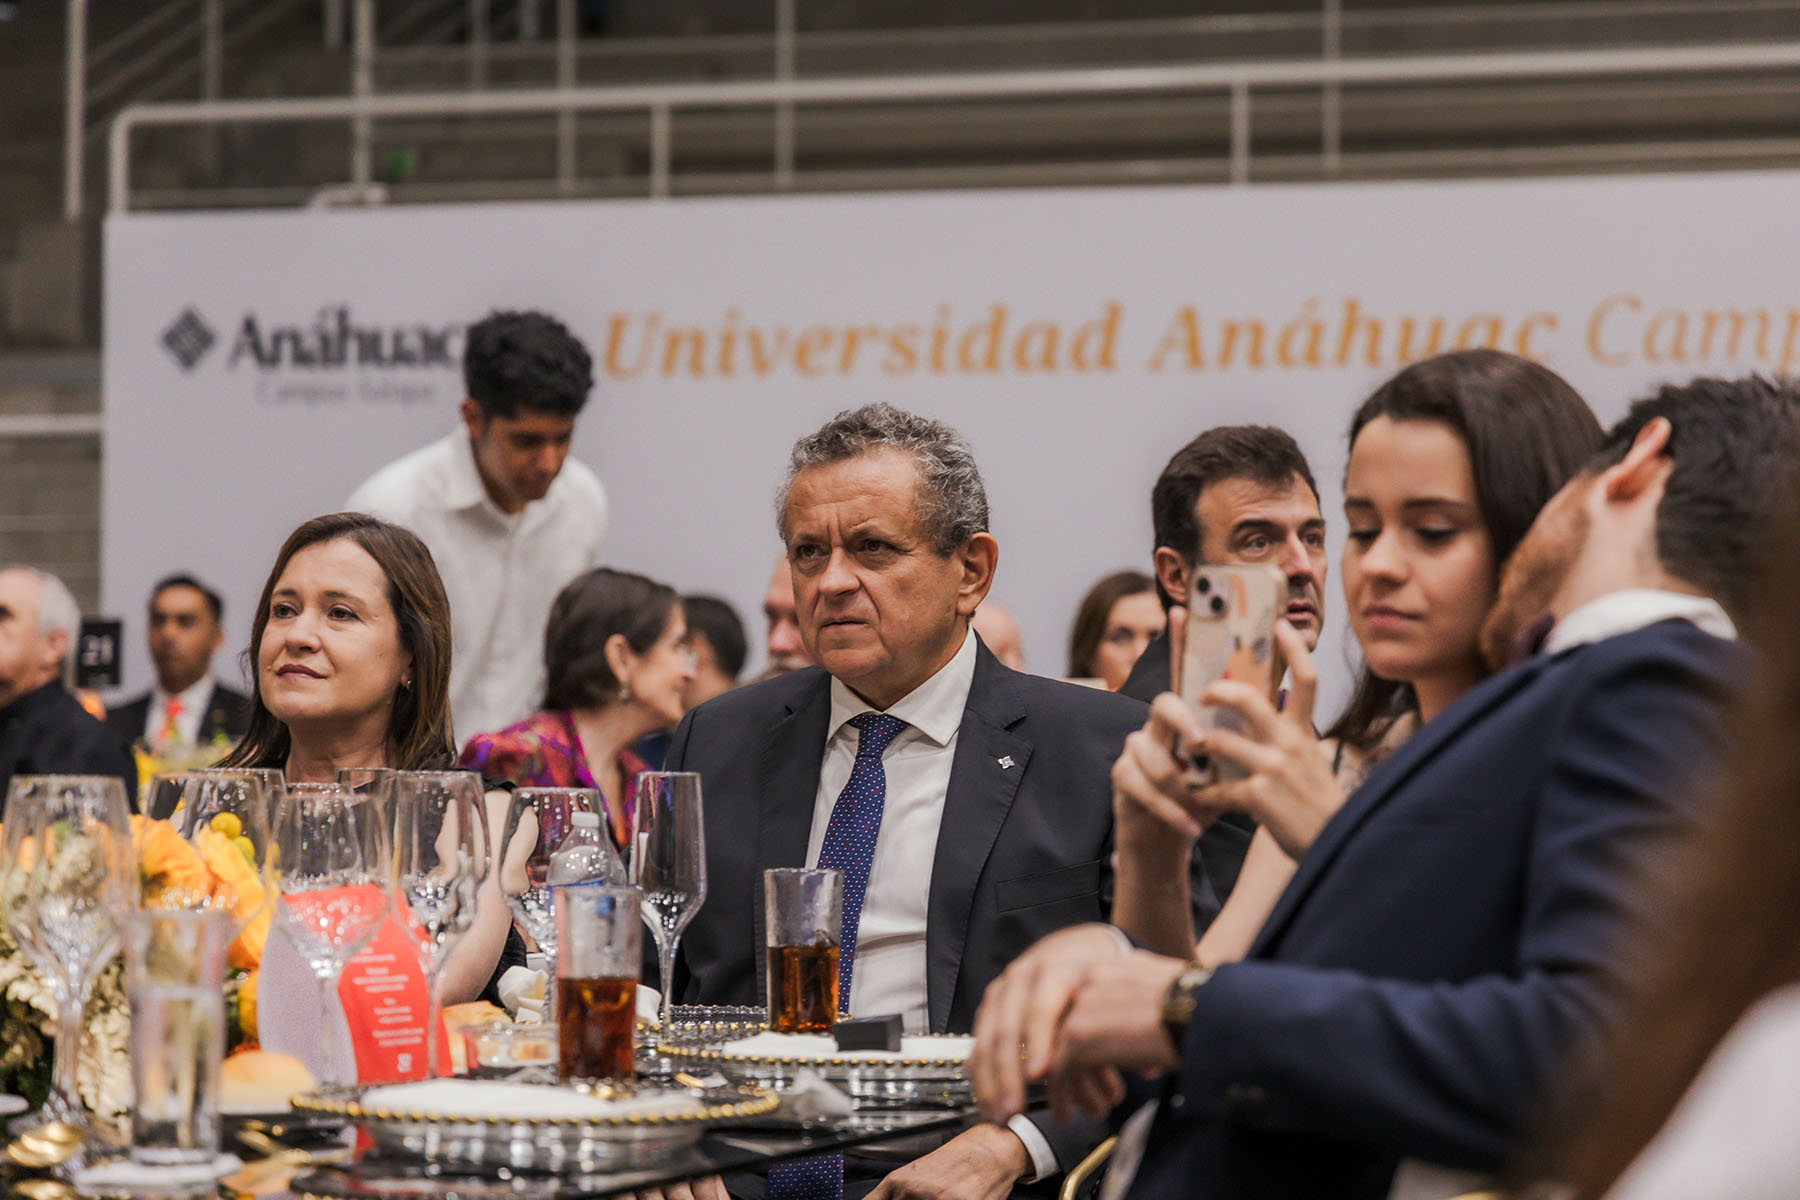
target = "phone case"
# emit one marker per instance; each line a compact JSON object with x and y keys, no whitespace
{"x":1230,"y":635}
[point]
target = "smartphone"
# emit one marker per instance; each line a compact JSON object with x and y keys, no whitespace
{"x":1231,"y":614}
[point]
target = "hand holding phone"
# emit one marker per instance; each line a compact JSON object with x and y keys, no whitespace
{"x":1230,"y":634}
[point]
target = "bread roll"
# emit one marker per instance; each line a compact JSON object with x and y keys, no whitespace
{"x":261,"y":1081}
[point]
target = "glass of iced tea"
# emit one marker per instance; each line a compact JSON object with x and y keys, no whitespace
{"x":803,"y":915}
{"x":599,"y":934}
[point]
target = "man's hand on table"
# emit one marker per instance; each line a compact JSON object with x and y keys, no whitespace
{"x":981,"y":1163}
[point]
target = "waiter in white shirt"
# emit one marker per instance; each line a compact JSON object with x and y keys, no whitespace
{"x":508,"y":517}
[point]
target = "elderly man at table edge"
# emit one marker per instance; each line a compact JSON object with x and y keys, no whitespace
{"x":1448,"y":937}
{"x":1003,"y":775}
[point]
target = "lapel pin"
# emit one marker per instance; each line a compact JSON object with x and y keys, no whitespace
{"x":1006,"y":762}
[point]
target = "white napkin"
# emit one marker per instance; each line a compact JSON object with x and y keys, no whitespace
{"x":810,"y":1098}
{"x":649,"y":1006}
{"x":524,"y":993}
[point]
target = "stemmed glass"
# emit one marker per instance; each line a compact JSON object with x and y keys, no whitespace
{"x":668,"y":862}
{"x":537,"y":821}
{"x":69,"y":872}
{"x":335,"y":871}
{"x":441,"y":853}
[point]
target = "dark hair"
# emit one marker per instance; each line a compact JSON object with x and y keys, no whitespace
{"x":951,"y":499}
{"x":214,"y":605}
{"x":419,"y":733}
{"x":1091,"y":617}
{"x":1733,"y":450}
{"x":1724,"y":930}
{"x":1259,"y":453}
{"x":590,"y":609}
{"x":1527,"y":433}
{"x":718,"y":622}
{"x":526,"y":360}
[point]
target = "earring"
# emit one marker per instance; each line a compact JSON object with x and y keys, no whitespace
{"x":624,"y":693}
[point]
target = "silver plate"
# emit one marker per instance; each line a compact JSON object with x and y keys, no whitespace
{"x":905,"y":1083}
{"x":556,"y":1144}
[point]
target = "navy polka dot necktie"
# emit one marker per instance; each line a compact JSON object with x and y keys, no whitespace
{"x":849,"y":846}
{"x":855,"y":824}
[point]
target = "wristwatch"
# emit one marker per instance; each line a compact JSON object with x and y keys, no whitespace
{"x":1178,"y":1002}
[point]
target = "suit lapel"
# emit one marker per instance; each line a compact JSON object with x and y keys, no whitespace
{"x":979,"y":796}
{"x":1387,"y":779}
{"x":786,"y":789}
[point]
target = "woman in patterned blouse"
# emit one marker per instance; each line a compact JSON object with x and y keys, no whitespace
{"x":618,"y":662}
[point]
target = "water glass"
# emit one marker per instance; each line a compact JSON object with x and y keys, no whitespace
{"x":177,"y":975}
{"x":599,"y":935}
{"x":803,"y":918}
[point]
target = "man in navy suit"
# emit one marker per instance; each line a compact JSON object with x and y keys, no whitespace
{"x":1449,"y":935}
{"x":993,"y":827}
{"x":187,"y":707}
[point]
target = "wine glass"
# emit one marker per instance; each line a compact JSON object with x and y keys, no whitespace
{"x":226,"y":816}
{"x":335,"y":872}
{"x":537,"y":821}
{"x":668,"y":862}
{"x":441,"y":853}
{"x":69,"y":875}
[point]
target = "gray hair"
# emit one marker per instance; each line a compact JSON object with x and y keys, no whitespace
{"x":56,"y":607}
{"x":951,"y":499}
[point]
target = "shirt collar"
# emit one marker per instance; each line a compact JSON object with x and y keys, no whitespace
{"x":192,"y":700}
{"x":1633,"y":609}
{"x":463,"y":486}
{"x":934,"y":708}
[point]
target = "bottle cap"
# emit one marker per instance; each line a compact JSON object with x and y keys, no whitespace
{"x":587,"y":820}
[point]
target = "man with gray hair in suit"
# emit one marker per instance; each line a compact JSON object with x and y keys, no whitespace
{"x":43,"y":729}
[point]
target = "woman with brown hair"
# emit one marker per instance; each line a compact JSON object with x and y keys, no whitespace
{"x":1116,"y":620}
{"x":617,"y":666}
{"x":351,"y":646}
{"x":1709,"y":1050}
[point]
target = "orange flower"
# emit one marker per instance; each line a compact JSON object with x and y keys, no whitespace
{"x":174,"y":874}
{"x":238,"y":891}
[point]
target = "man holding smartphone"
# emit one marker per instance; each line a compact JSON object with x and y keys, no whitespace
{"x":1237,"y":495}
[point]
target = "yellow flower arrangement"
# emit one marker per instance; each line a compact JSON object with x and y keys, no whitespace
{"x":215,"y":870}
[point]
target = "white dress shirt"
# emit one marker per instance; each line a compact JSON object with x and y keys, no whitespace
{"x":889,"y":976}
{"x":1632,"y":609}
{"x":1732,"y":1135}
{"x":187,"y":722}
{"x":501,"y":570}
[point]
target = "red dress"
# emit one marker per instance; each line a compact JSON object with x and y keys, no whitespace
{"x":545,"y":751}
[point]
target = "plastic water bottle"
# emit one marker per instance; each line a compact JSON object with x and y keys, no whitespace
{"x":586,"y":855}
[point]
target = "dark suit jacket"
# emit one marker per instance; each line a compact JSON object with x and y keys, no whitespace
{"x":1448,"y":938}
{"x":47,"y":732}
{"x":1219,"y":854}
{"x":227,"y":712}
{"x":1023,"y":850}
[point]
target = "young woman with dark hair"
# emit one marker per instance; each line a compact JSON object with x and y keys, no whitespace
{"x":1449,"y":462}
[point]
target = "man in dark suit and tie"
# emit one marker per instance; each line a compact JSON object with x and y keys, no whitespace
{"x":187,"y":707}
{"x":1450,"y":934}
{"x":984,"y":789}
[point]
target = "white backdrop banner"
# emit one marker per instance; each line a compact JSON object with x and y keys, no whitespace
{"x":259,"y":365}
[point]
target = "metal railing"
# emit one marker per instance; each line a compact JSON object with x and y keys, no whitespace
{"x":659,"y":101}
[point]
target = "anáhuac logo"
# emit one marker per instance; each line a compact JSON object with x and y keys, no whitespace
{"x":332,"y":359}
{"x":188,"y":338}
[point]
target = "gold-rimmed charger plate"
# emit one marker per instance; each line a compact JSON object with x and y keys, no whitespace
{"x":592,"y":1142}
